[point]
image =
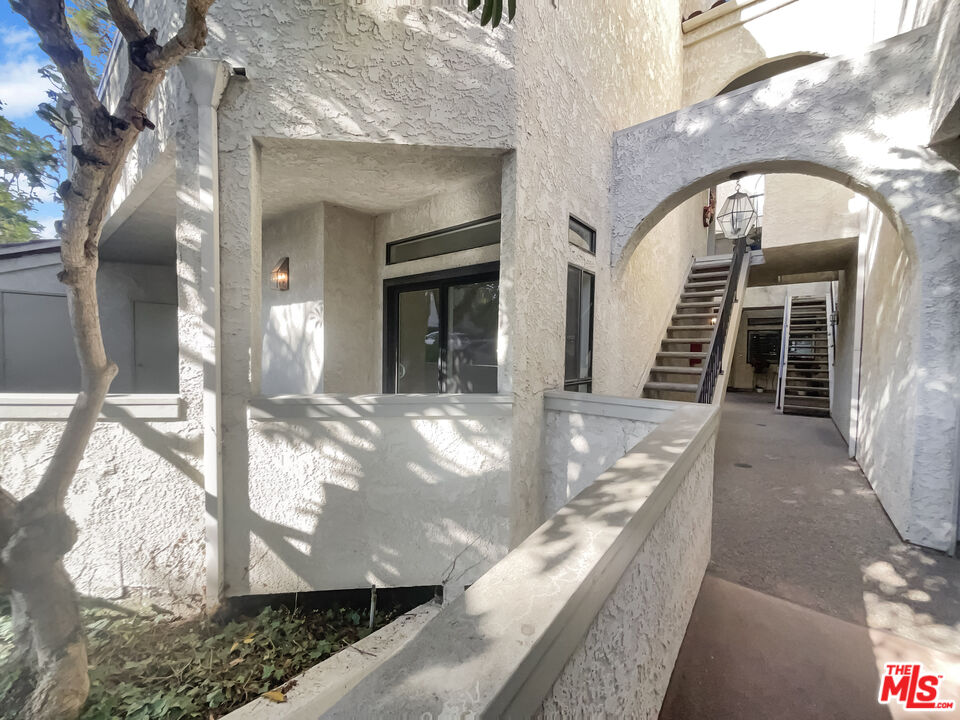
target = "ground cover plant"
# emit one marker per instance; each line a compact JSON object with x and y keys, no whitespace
{"x":146,"y":664}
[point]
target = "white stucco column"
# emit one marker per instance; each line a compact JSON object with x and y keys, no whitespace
{"x":198,"y":178}
{"x":241,"y":340}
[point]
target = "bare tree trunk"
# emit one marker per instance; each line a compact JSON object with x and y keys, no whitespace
{"x":36,"y":533}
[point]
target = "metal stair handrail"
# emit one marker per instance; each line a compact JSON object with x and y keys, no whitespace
{"x":712,"y":368}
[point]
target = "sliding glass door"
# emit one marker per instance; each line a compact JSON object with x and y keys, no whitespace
{"x":440,"y":332}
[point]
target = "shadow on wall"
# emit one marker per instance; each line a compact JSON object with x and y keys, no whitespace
{"x":392,"y":501}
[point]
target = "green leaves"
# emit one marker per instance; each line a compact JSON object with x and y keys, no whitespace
{"x":28,"y":165}
{"x":160,"y":668}
{"x":492,"y":11}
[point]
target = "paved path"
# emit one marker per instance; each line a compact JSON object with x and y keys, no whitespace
{"x":810,"y":589}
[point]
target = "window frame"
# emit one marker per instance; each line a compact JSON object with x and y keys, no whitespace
{"x":592,"y":242}
{"x":441,"y":231}
{"x":443,"y":280}
{"x":577,"y":384}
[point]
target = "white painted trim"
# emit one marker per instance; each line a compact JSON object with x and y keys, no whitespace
{"x":57,"y":406}
{"x":643,"y":409}
{"x":359,"y":407}
{"x":515,"y":628}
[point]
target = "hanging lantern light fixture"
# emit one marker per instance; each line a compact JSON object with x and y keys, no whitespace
{"x":280,"y":276}
{"x":738,"y":216}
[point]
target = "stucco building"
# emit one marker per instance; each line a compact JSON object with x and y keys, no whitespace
{"x":422,"y":271}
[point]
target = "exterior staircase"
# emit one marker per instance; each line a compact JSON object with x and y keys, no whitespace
{"x":678,"y":370}
{"x":805,"y":367}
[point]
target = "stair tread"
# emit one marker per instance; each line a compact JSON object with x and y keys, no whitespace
{"x":681,"y":341}
{"x":694,"y":355}
{"x":674,"y":387}
{"x":710,"y":275}
{"x":679,"y":370}
{"x":690,"y":327}
{"x":702,"y":293}
{"x":698,"y":304}
{"x":694,"y":315}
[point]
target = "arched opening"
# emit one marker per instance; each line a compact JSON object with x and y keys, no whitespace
{"x":769,"y":69}
{"x":796,"y":522}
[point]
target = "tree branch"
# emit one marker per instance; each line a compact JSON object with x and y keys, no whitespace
{"x":126,"y":20}
{"x":191,"y":37}
{"x":49,"y":19}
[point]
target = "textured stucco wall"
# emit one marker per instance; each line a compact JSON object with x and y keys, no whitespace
{"x":623,"y":666}
{"x":336,"y":504}
{"x":136,"y":500}
{"x":293,"y":320}
{"x":887,"y":426}
{"x":846,"y":352}
{"x":804,"y":209}
{"x":350,"y":292}
{"x":579,"y":447}
{"x":569,"y":103}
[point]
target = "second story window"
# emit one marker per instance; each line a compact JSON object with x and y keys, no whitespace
{"x":582,"y":235}
{"x":578,"y":348}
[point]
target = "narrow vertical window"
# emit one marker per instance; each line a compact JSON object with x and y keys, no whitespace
{"x":578,"y":350}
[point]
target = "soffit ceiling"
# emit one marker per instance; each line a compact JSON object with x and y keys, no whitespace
{"x":370,"y":177}
{"x":788,"y":261}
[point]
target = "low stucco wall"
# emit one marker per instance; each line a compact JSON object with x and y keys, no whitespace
{"x":389,"y":490}
{"x":604,"y":588}
{"x":137,"y":500}
{"x":623,"y":666}
{"x":586,"y":434}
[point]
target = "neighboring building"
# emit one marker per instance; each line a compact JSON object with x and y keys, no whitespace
{"x":388,"y":232}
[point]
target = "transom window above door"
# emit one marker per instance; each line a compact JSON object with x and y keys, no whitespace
{"x":440,"y":331}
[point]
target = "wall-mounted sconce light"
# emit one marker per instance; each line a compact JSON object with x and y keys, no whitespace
{"x":280,"y":276}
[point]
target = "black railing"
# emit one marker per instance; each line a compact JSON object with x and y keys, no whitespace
{"x":713,"y":366}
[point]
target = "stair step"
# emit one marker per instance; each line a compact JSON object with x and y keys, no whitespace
{"x":803,"y":388}
{"x":797,"y":378}
{"x":698,"y":304}
{"x":712,"y":263}
{"x":815,"y":402}
{"x":686,"y":328}
{"x":806,"y":410}
{"x":672,"y":387}
{"x":691,"y":355}
{"x":704,"y":275}
{"x":702,"y":293}
{"x":687,"y":316}
{"x":706,"y":285}
{"x":807,"y":355}
{"x":679,"y":370}
{"x":682,"y":341}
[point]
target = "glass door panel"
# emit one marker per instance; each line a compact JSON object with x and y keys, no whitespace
{"x":471,"y":359}
{"x":418,"y":341}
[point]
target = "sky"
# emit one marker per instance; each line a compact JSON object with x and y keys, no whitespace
{"x":22,"y":90}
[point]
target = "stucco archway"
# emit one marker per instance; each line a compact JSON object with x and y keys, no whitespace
{"x":862,"y":122}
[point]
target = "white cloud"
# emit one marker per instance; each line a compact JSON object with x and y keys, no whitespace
{"x":17,"y":41}
{"x":21,"y":88}
{"x":49,"y":232}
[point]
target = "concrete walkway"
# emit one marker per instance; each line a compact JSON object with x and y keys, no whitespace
{"x":810,"y":589}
